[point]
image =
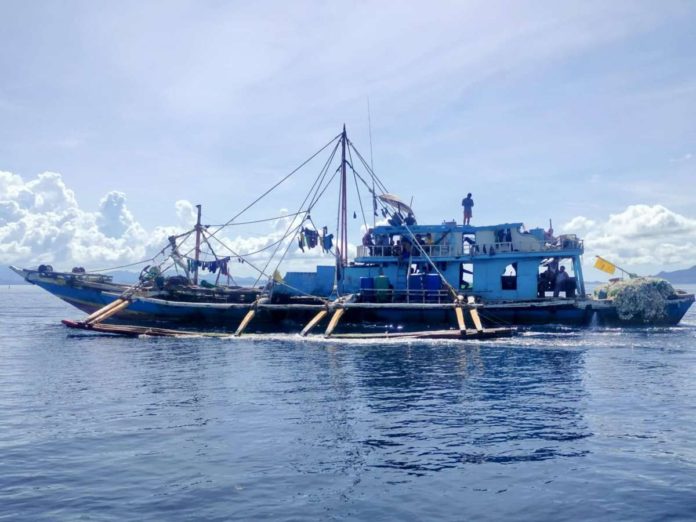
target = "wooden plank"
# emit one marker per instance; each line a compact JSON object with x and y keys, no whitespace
{"x":245,"y":322}
{"x":431,"y":334}
{"x":133,"y":331}
{"x":473,"y":312}
{"x":334,"y":321}
{"x":311,"y":324}
{"x":460,"y":320}
{"x":108,"y":313}
{"x":104,"y":309}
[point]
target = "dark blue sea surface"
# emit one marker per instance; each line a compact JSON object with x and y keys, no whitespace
{"x":553,"y":424}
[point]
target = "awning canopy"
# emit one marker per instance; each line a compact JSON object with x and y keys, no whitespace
{"x":396,"y":202}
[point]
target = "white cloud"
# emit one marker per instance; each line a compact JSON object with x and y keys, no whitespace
{"x":641,"y":236}
{"x":114,"y":219}
{"x":42,"y":222}
{"x":186,"y":212}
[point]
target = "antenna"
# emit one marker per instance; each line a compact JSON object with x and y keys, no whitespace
{"x":372,"y":167}
{"x":369,"y":129}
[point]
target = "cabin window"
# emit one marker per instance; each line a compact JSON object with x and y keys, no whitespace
{"x":466,"y":278}
{"x":469,"y":243}
{"x":508,"y":280}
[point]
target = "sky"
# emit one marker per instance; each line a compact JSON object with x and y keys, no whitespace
{"x":117,"y":117}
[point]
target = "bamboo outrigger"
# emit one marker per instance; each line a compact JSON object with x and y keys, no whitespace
{"x":95,"y":322}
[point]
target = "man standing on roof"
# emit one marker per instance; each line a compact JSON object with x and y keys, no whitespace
{"x":468,"y":205}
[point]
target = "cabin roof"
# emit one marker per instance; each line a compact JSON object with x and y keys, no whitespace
{"x":444,"y":227}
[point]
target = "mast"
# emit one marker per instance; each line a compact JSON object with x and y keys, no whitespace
{"x":198,"y":245}
{"x":344,"y":202}
{"x":372,"y":167}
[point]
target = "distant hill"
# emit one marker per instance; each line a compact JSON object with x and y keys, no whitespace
{"x":8,"y":277}
{"x":684,"y":277}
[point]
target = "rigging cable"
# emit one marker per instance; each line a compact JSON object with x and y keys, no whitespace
{"x":302,"y":292}
{"x":357,"y":190}
{"x":317,"y":180}
{"x":367,"y":167}
{"x":263,"y":220}
{"x":274,"y":186}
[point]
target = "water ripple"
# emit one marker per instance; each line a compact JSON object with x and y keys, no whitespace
{"x":555,"y":423}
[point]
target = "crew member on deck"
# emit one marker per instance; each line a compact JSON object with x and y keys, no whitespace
{"x":367,"y":241}
{"x":561,"y":279}
{"x":396,"y":220}
{"x":468,"y":204}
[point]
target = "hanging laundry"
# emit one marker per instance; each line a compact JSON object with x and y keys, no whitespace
{"x":223,"y":267}
{"x":311,"y":236}
{"x":327,"y":242}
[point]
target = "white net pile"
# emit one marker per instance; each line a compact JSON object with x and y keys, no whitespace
{"x":639,"y":299}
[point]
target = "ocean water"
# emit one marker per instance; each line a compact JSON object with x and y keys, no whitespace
{"x":553,"y":424}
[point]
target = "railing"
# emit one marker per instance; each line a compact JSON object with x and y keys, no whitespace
{"x":396,"y":251}
{"x":490,"y":248}
{"x":564,"y":243}
{"x":507,"y":246}
{"x":447,"y":250}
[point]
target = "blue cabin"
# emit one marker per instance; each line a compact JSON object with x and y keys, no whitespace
{"x":496,"y":263}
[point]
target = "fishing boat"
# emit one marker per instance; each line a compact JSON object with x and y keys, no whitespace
{"x":404,"y":276}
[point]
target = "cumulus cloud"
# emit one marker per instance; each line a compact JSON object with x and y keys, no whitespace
{"x":42,"y":222}
{"x":640,"y":235}
{"x":186,"y":213}
{"x":114,"y":219}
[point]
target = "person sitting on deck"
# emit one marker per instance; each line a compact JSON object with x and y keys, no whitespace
{"x":561,"y":279}
{"x":406,"y":247}
{"x":468,"y":204}
{"x":396,"y":220}
{"x":383,"y":248}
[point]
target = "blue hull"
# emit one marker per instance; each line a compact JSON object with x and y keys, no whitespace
{"x":674,"y":312}
{"x":228,"y":317}
{"x":90,"y":300}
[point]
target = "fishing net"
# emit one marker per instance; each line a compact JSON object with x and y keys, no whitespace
{"x":638,"y":299}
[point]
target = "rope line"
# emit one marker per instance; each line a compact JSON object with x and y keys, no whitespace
{"x":357,"y":189}
{"x":276,"y":185}
{"x":299,"y":211}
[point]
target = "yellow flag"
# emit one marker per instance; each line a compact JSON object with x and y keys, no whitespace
{"x":605,"y":266}
{"x":277,"y":277}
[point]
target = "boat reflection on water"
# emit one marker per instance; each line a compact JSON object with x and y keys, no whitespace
{"x":428,"y":407}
